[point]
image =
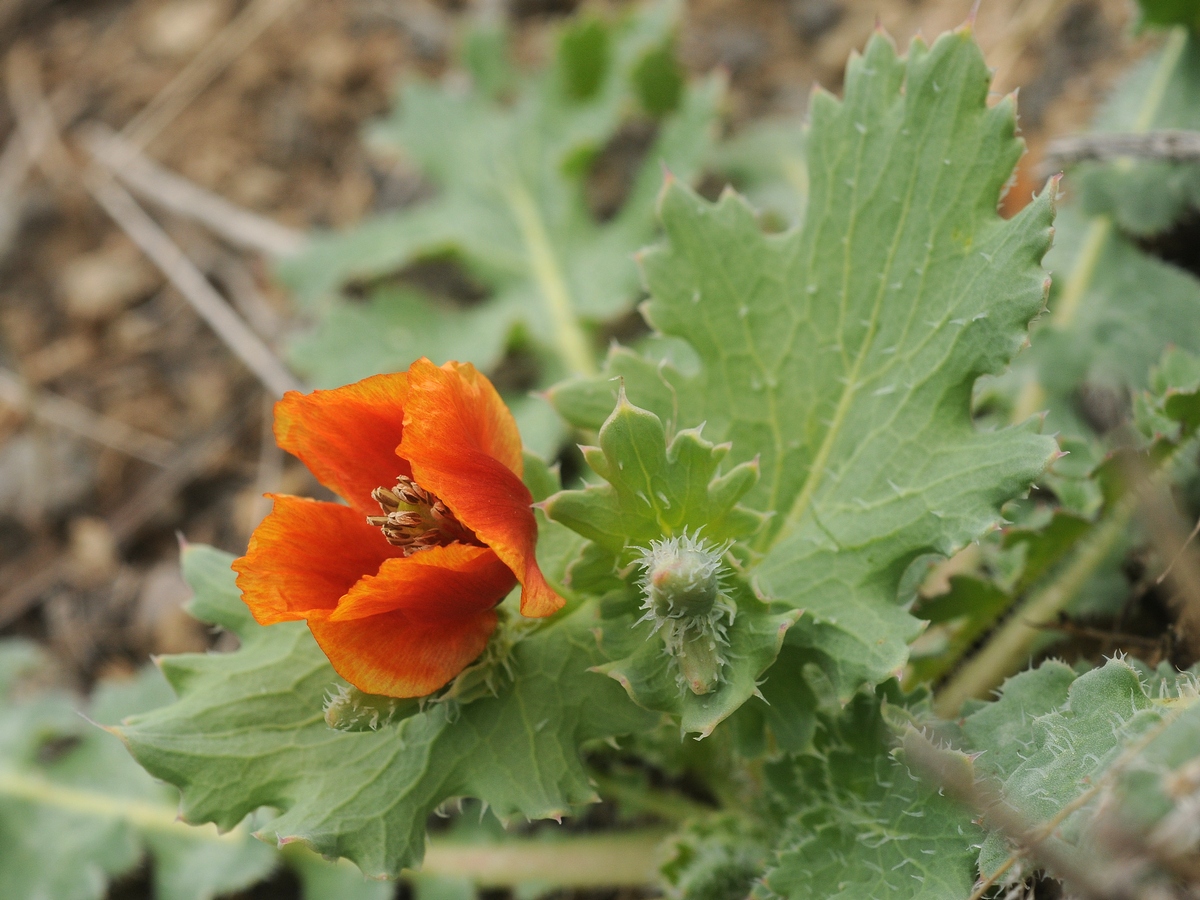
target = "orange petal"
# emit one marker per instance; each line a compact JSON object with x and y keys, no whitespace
{"x":304,"y":556}
{"x":401,"y":655}
{"x":348,"y":436}
{"x":439,"y":583}
{"x":463,"y":446}
{"x":456,"y":403}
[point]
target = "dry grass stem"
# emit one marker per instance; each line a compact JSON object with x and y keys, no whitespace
{"x":178,"y":195}
{"x":203,"y":69}
{"x":1162,"y":146}
{"x":190,"y":281}
{"x":37,"y":575}
{"x":64,"y":413}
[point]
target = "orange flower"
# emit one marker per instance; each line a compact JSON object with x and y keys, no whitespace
{"x":399,"y":587}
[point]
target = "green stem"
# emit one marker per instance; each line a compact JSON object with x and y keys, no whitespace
{"x":628,"y":859}
{"x":1082,"y":272}
{"x":607,"y":860}
{"x":568,"y":332}
{"x":1172,"y":52}
{"x":142,"y":814}
{"x":1008,"y":650}
{"x":670,"y":807}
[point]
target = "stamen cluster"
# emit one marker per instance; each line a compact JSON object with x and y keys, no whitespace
{"x":416,"y":520}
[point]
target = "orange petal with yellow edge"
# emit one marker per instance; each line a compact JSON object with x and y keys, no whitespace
{"x":398,"y":654}
{"x":305,"y":556}
{"x":439,"y":583}
{"x":348,"y":436}
{"x":458,"y":441}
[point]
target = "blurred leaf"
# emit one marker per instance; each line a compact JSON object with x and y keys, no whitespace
{"x":1165,"y":13}
{"x":76,"y":811}
{"x":511,"y":207}
{"x":1144,"y":197}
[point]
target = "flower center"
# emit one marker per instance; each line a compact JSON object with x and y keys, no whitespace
{"x":417,"y":520}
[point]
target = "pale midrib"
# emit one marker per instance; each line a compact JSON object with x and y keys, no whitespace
{"x":816,"y":471}
{"x":139,"y":813}
{"x":569,"y":335}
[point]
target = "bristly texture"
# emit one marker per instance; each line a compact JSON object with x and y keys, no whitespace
{"x":685,"y":599}
{"x":401,"y":602}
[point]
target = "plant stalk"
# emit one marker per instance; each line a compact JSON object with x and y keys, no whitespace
{"x":1009,"y":647}
{"x":628,"y":859}
{"x":569,"y":335}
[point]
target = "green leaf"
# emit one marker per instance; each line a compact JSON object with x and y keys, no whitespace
{"x":76,"y":811}
{"x":865,"y":827}
{"x":765,"y":163}
{"x":655,"y":489}
{"x":714,"y":859}
{"x":843,"y":353}
{"x":1132,"y":307}
{"x":1144,"y":197}
{"x":1091,"y":753}
{"x":323,"y":880}
{"x":1165,"y":13}
{"x":511,"y":208}
{"x":248,"y":732}
{"x":1114,"y":308}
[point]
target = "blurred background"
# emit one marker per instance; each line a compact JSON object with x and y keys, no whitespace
{"x":220,"y":135}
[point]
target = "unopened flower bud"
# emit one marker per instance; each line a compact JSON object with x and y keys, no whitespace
{"x":349,"y":709}
{"x":684,"y":599}
{"x":683,"y":582}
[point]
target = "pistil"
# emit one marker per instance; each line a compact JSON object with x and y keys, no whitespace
{"x":417,"y":520}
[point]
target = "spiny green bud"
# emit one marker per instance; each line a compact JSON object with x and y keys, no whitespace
{"x":683,"y":583}
{"x":349,"y":709}
{"x":685,"y":600}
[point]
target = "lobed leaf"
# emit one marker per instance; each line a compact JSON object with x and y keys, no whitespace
{"x":865,"y":826}
{"x":511,"y":168}
{"x":655,"y":490}
{"x":843,"y":353}
{"x":1094,"y":754}
{"x":248,"y":732}
{"x":76,"y":811}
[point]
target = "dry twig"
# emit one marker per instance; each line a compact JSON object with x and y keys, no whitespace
{"x":34,"y":576}
{"x":62,"y":412}
{"x":190,"y":281}
{"x":178,"y":195}
{"x":1168,"y":145}
{"x":203,"y":69}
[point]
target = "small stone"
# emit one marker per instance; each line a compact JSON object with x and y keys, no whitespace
{"x":180,"y":27}
{"x":164,"y":625}
{"x":93,"y":550}
{"x":97,"y":286}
